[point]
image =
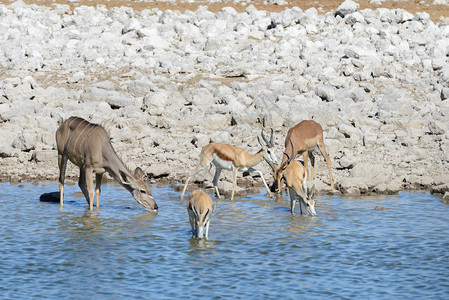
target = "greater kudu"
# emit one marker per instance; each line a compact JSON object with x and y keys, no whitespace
{"x":88,"y":146}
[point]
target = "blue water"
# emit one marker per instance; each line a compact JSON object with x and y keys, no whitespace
{"x":257,"y":250}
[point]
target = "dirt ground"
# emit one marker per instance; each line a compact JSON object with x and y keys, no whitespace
{"x":435,"y":11}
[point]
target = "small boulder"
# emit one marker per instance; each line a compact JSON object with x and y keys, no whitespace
{"x":347,"y":7}
{"x":49,"y":197}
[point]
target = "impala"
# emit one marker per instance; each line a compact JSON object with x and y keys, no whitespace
{"x":199,"y":207}
{"x":88,"y":146}
{"x":304,"y":137}
{"x":293,"y":173}
{"x":225,"y":156}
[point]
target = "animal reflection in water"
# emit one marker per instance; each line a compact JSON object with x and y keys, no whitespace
{"x":199,"y":207}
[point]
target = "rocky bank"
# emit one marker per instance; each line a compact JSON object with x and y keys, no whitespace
{"x":166,"y":83}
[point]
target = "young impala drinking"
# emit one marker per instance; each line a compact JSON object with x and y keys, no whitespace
{"x":294,"y":174}
{"x":199,"y":207}
{"x":295,"y":180}
{"x":228,"y":157}
{"x":88,"y":146}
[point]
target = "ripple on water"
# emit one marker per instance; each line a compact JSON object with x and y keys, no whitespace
{"x":256,"y":247}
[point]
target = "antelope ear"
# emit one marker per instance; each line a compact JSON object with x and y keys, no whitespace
{"x":206,"y":214}
{"x":139,"y":174}
{"x":194,"y":211}
{"x":312,"y":192}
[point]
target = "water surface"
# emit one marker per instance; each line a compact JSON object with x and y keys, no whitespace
{"x":256,"y":248}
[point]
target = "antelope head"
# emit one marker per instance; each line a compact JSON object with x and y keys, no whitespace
{"x":309,"y":201}
{"x":202,"y":218}
{"x":139,"y":189}
{"x":268,"y":148}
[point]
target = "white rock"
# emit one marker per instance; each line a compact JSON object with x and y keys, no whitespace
{"x":26,"y":141}
{"x":346,"y":8}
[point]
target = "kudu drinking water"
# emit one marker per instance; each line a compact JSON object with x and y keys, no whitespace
{"x":88,"y":146}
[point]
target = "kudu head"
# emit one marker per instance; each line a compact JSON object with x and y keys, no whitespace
{"x":309,"y":201}
{"x":139,"y":189}
{"x":268,"y":148}
{"x":278,"y":171}
{"x":202,"y":218}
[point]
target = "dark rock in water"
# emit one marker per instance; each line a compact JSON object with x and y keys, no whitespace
{"x":50,"y":197}
{"x":380,"y":207}
{"x":440,"y":189}
{"x":445,"y":199}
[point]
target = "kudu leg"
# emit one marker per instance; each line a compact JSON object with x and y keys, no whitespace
{"x":62,"y":163}
{"x":98,"y":178}
{"x":82,"y":184}
{"x":328,"y":160}
{"x":90,"y":187}
{"x":86,"y":184}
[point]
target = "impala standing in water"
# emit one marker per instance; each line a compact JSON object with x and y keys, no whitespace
{"x":199,"y":207}
{"x":88,"y":146}
{"x":294,"y":175}
{"x":303,"y":137}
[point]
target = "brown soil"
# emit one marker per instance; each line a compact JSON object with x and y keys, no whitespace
{"x":413,"y":6}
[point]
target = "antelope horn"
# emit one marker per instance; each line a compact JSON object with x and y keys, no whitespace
{"x":264,"y":139}
{"x":271,"y":139}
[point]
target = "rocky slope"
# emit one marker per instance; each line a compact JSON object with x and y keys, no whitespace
{"x":166,"y":83}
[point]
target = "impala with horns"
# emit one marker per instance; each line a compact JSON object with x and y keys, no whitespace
{"x":88,"y":146}
{"x":304,"y":137}
{"x":294,"y":175}
{"x":200,"y":207}
{"x":225,"y":156}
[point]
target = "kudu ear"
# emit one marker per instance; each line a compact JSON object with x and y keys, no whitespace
{"x":139,"y":174}
{"x":124,"y":178}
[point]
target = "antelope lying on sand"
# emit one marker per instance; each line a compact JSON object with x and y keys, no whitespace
{"x":88,"y":146}
{"x":199,"y":207}
{"x":228,"y":157}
